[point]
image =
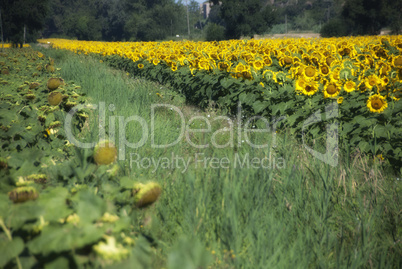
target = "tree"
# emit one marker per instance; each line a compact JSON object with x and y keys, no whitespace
{"x":364,"y":16}
{"x":245,"y":17}
{"x":23,"y":16}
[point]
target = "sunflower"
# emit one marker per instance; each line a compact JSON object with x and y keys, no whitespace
{"x":224,"y":66}
{"x":140,"y":66}
{"x":246,"y":74}
{"x":377,"y":103}
{"x":310,"y":73}
{"x":324,"y":70}
{"x":240,"y":68}
{"x":371,"y":81}
{"x":155,"y":61}
{"x":397,"y":62}
{"x":258,"y":64}
{"x":339,"y":100}
{"x":329,"y":60}
{"x":349,"y":86}
{"x":174,"y":67}
{"x":267,"y":60}
{"x":332,"y":89}
{"x":300,"y":84}
{"x":286,"y":61}
{"x":269,"y":75}
{"x":310,"y":88}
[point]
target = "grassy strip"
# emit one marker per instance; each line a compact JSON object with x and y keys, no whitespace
{"x":300,"y":213}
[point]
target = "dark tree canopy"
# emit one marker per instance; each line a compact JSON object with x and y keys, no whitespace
{"x":19,"y":14}
{"x":245,"y":17}
{"x":366,"y":17}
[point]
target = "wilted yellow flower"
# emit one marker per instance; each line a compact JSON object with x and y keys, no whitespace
{"x":110,"y":250}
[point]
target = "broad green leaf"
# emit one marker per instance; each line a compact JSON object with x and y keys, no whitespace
{"x":10,"y":250}
{"x":90,"y":207}
{"x":55,"y":204}
{"x":19,"y":214}
{"x":58,"y":263}
{"x":58,"y":238}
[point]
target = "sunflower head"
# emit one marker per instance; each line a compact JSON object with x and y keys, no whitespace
{"x":54,"y":83}
{"x":310,"y":88}
{"x":371,"y":81}
{"x":23,"y":194}
{"x":310,"y":72}
{"x":324,"y":70}
{"x":55,"y":98}
{"x":105,"y":153}
{"x":397,"y":61}
{"x":377,"y":103}
{"x":146,"y":194}
{"x":331,"y":90}
{"x":349,"y":86}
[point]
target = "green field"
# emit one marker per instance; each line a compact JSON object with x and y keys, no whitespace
{"x":232,"y":207}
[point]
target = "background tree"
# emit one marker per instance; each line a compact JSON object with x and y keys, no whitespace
{"x":363,"y":16}
{"x":366,"y":17}
{"x":245,"y":17}
{"x":19,"y":16}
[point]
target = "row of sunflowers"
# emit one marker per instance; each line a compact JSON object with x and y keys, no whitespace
{"x":279,"y":77}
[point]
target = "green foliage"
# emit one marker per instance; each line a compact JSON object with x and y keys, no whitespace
{"x":279,"y":98}
{"x":214,"y":32}
{"x":246,"y":18}
{"x":119,"y":20}
{"x":320,"y":216}
{"x":334,"y":28}
{"x":17,"y":14}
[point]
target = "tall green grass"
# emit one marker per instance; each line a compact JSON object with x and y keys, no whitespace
{"x":300,"y":214}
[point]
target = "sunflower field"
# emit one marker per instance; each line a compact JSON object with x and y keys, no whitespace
{"x":290,"y":78}
{"x":62,"y":206}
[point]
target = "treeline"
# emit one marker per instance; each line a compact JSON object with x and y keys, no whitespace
{"x":148,"y":20}
{"x":365,"y":17}
{"x":113,"y":20}
{"x":235,"y":18}
{"x":109,"y":20}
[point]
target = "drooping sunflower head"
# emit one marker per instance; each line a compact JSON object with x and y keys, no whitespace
{"x":146,"y":194}
{"x":105,"y":153}
{"x":55,"y":98}
{"x":377,"y":103}
{"x":54,"y":83}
